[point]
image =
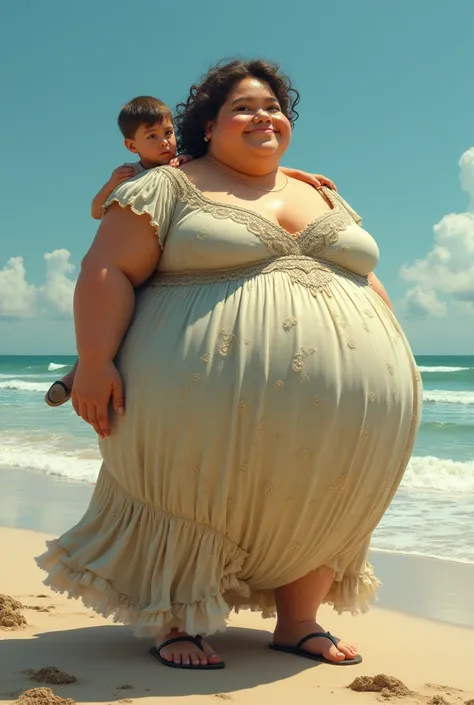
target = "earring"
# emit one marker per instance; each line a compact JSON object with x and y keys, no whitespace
{"x":207,"y":139}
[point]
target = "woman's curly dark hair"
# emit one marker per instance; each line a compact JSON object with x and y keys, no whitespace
{"x":206,"y":99}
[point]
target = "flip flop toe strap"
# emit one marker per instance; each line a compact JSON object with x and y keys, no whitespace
{"x":316,"y":635}
{"x":196,"y":640}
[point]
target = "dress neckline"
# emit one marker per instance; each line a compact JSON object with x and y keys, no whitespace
{"x":294,"y":237}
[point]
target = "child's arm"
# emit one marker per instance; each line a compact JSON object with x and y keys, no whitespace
{"x":122,"y":173}
{"x":316,"y":180}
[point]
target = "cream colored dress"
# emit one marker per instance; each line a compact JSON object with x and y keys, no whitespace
{"x":272,"y":402}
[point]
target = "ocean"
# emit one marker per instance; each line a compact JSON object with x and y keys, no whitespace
{"x":431,"y":515}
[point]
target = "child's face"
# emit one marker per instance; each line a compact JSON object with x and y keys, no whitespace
{"x":154,"y":144}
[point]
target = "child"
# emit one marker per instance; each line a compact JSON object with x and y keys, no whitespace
{"x":146,"y":124}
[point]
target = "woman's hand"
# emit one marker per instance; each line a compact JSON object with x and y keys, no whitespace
{"x":315,"y":180}
{"x":96,"y":384}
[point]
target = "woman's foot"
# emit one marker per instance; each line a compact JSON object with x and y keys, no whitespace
{"x":290,"y":634}
{"x":186,"y":653}
{"x":297,"y":608}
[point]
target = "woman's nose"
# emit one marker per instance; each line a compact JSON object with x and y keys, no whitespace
{"x":261,"y":115}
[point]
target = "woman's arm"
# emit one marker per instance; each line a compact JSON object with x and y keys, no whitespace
{"x":379,"y":289}
{"x":123,"y":255}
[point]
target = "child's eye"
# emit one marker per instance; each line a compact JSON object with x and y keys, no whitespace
{"x":170,"y":133}
{"x":151,"y":137}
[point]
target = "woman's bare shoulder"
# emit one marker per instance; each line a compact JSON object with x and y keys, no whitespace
{"x":194,"y":169}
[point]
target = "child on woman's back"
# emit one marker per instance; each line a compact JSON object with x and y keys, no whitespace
{"x":146,"y":124}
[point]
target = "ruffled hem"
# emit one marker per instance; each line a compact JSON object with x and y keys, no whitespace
{"x":121,"y":537}
{"x":354,"y":594}
{"x":98,"y":594}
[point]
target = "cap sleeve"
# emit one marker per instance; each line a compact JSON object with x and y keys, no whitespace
{"x":356,"y":217}
{"x":150,"y":193}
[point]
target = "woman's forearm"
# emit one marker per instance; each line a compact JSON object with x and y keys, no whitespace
{"x":103,"y":307}
{"x":379,"y":289}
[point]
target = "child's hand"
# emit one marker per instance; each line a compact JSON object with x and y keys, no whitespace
{"x":121,"y":174}
{"x":182,"y":159}
{"x":316,"y":180}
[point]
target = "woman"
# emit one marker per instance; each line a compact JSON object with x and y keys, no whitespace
{"x":272,"y":400}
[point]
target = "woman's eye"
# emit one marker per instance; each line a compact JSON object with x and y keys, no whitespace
{"x":242,"y":108}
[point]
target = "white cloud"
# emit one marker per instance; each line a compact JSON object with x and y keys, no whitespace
{"x":466,"y":177}
{"x":420,"y":303}
{"x":58,"y":290}
{"x":447,"y":271}
{"x":17,"y":297}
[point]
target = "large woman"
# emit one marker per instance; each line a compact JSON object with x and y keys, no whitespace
{"x":272,"y":400}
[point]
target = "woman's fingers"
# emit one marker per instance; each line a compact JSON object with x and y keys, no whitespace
{"x":102,"y":419}
{"x":84,"y":411}
{"x":94,"y":414}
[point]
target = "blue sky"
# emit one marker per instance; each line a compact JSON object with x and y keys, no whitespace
{"x":387,"y":112}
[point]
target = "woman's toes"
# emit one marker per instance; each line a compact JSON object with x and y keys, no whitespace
{"x":335,"y":654}
{"x":348,"y":650}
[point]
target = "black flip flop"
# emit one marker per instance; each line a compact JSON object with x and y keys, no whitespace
{"x":50,"y":401}
{"x":197,"y":641}
{"x":298,"y":651}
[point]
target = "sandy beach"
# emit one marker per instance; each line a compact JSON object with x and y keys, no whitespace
{"x":421,"y":631}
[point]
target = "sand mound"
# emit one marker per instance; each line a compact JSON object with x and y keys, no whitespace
{"x":386,"y":685}
{"x":42,"y":696}
{"x":9,"y":603}
{"x":39,"y":608}
{"x":438,"y":700}
{"x":53,"y":676}
{"x":10,"y":616}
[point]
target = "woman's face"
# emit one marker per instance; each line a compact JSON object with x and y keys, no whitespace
{"x":249,"y":123}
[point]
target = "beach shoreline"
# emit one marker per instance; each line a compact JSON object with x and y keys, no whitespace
{"x":111,"y":666}
{"x":420,"y":631}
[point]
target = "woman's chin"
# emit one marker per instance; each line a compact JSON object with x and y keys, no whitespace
{"x":268,"y":148}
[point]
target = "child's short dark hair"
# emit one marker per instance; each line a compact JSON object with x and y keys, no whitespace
{"x":144,"y":110}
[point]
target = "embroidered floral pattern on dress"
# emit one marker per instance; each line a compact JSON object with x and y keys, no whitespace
{"x":289,"y":323}
{"x":227,"y":342}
